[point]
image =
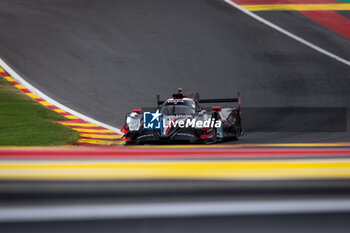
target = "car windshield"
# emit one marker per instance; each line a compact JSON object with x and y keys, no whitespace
{"x":178,"y":107}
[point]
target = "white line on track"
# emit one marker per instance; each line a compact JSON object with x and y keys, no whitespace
{"x":287,"y":33}
{"x":30,"y":87}
{"x":179,"y":209}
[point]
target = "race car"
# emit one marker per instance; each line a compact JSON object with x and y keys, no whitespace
{"x":182,"y":119}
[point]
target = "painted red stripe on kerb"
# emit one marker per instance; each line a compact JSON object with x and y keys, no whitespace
{"x":331,"y":20}
{"x":25,"y":90}
{"x":79,"y":121}
{"x":99,"y":139}
{"x":52,"y":107}
{"x":98,"y":133}
{"x":87,"y":127}
{"x":128,"y":153}
{"x":65,"y":113}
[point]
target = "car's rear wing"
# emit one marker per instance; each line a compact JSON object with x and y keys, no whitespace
{"x":222,"y":100}
{"x":225,"y":100}
{"x":159,"y":102}
{"x":206,"y":101}
{"x":180,"y":95}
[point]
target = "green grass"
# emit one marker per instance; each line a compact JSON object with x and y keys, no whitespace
{"x":24,"y":122}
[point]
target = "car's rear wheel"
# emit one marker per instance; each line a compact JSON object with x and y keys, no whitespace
{"x":215,"y":135}
{"x":238,"y":130}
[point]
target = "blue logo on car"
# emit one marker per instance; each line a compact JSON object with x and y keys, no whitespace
{"x":151,"y":120}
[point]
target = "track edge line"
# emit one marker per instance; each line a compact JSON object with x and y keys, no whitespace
{"x":287,"y":33}
{"x":36,"y":91}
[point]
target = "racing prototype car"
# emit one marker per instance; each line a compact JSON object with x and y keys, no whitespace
{"x":181,"y":119}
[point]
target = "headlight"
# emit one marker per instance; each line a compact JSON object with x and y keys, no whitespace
{"x":133,"y":123}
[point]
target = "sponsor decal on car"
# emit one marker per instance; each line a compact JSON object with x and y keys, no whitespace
{"x":155,"y":120}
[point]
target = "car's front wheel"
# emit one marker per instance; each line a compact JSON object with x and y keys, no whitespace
{"x":214,"y":138}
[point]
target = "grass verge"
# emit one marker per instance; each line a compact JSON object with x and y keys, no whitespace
{"x":24,"y":122}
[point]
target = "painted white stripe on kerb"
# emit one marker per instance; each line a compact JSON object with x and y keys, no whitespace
{"x":285,"y":32}
{"x":161,"y":210}
{"x":52,"y":101}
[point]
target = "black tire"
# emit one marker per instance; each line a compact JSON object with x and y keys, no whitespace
{"x":214,"y":132}
{"x":131,"y":143}
{"x":214,"y":139}
{"x":238,"y":130}
{"x":215,"y":135}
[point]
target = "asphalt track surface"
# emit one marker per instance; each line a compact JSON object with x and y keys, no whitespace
{"x":313,"y":223}
{"x":105,"y":58}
